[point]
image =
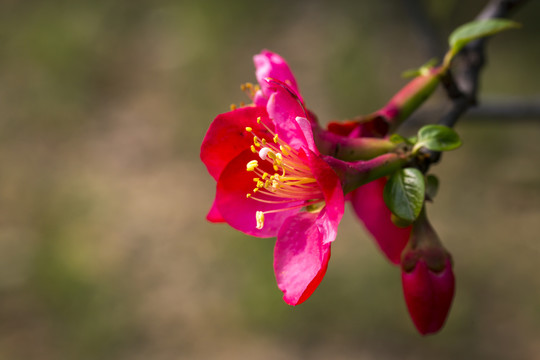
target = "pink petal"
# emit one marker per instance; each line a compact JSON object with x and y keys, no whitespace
{"x":237,"y":210}
{"x":269,"y":64}
{"x":307,"y":130}
{"x":226,"y":137}
{"x":369,"y":205}
{"x":301,"y":256}
{"x":214,"y":215}
{"x":283,"y":109}
{"x":333,"y":194}
{"x":428,"y":296}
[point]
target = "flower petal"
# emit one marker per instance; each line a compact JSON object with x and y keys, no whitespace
{"x":214,"y":215}
{"x":283,"y":109}
{"x":333,"y":195}
{"x":301,"y":256}
{"x":239,"y":211}
{"x":269,"y":64}
{"x":368,"y":203}
{"x":307,"y":130}
{"x":226,"y":137}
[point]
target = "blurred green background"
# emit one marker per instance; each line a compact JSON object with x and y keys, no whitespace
{"x":104,"y":248}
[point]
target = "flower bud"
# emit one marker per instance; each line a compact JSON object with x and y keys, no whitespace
{"x":427,"y":278}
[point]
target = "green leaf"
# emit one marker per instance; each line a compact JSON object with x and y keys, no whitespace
{"x":432,"y":186}
{"x":398,"y":139}
{"x":399,"y":222}
{"x":404,"y":193}
{"x":410,"y":73}
{"x":476,"y":30}
{"x":437,"y":138}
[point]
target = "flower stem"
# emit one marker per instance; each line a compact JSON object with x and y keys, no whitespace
{"x":410,"y":97}
{"x":357,"y":173}
{"x":352,"y":149}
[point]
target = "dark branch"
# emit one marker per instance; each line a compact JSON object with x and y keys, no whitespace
{"x":462,"y":86}
{"x":463,"y":89}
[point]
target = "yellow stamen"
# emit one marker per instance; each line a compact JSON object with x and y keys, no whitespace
{"x":233,"y":107}
{"x":292,"y":185}
{"x":259,"y":216}
{"x":252,"y":165}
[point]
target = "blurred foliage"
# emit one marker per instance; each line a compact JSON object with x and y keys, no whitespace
{"x":105,"y":253}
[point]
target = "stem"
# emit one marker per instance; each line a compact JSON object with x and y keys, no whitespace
{"x":352,"y":148}
{"x":410,"y":97}
{"x":355,"y":174}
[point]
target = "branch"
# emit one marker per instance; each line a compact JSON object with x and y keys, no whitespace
{"x":462,"y":88}
{"x":496,"y":108}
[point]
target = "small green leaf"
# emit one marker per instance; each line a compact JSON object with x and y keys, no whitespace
{"x":476,"y":30}
{"x":432,"y":186}
{"x":410,"y":73}
{"x":437,"y":138}
{"x":404,"y":193}
{"x":397,"y":139}
{"x":399,"y":222}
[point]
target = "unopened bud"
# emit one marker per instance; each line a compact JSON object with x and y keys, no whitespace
{"x":427,"y":278}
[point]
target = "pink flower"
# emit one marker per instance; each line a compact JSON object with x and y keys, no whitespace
{"x":272,"y":181}
{"x":427,"y":278}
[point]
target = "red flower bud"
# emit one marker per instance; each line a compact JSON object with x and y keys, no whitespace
{"x":427,"y":278}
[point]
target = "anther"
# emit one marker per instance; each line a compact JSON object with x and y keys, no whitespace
{"x":259,"y":216}
{"x":252,"y":165}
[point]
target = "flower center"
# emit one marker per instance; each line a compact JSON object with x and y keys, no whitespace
{"x":291,"y":186}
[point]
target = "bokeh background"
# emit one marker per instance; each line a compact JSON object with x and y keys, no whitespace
{"x":105,"y":252}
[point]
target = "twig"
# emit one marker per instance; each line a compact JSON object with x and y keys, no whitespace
{"x":462,"y":86}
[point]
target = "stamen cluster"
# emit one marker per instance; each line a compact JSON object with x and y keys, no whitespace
{"x":292,"y":184}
